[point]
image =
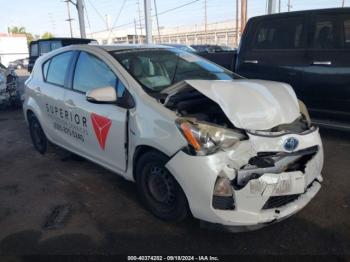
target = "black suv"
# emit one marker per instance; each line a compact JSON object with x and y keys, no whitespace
{"x":43,"y":46}
{"x":309,"y":50}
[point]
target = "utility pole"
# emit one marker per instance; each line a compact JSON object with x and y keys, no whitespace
{"x":69,"y":18}
{"x":148,"y":21}
{"x":237,"y":21}
{"x":80,"y":8}
{"x":205,"y":21}
{"x":279,"y":6}
{"x":243,"y":14}
{"x":271,"y":7}
{"x":136,"y":38}
{"x":139,"y":9}
{"x":343,"y":4}
{"x":289,"y":6}
{"x":156,"y":11}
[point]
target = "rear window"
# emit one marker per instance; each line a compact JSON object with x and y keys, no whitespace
{"x":56,"y":45}
{"x":56,"y":70}
{"x":34,"y":50}
{"x":45,"y":47}
{"x":280,"y":34}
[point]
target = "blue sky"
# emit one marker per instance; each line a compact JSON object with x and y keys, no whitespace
{"x":38,"y":16}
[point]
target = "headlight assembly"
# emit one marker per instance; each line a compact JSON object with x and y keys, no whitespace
{"x":205,"y":138}
{"x":304,"y":111}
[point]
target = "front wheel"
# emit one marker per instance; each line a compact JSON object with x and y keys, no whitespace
{"x":158,"y":189}
{"x":37,"y":134}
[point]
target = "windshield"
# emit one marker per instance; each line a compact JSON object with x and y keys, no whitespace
{"x":157,"y":69}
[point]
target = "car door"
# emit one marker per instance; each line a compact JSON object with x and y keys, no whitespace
{"x":274,"y":49}
{"x":98,"y":131}
{"x":327,"y":74}
{"x":49,"y":94}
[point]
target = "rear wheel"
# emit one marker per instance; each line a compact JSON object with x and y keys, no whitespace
{"x":37,"y":134}
{"x":158,"y":189}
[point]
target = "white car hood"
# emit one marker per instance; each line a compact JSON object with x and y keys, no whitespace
{"x":252,"y":104}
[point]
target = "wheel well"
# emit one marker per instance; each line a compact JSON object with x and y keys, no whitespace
{"x":139,"y":151}
{"x":29,"y":114}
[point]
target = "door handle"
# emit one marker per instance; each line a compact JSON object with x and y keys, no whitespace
{"x":37,"y":90}
{"x":326,"y":63}
{"x":70,"y":103}
{"x":251,"y":61}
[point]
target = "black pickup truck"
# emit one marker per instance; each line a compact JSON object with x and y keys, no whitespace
{"x":43,"y":46}
{"x":309,"y":50}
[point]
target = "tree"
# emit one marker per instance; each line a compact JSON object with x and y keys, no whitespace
{"x":21,"y":30}
{"x":47,"y":35}
{"x":30,"y":37}
{"x":17,"y":30}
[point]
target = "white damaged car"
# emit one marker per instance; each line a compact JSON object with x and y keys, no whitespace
{"x":196,"y":138}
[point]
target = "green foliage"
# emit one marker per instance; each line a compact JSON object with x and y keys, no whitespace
{"x":47,"y":35}
{"x":17,"y":30}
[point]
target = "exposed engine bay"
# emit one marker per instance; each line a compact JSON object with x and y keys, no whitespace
{"x":191,"y":103}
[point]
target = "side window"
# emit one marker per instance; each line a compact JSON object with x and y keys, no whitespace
{"x":120,"y":90}
{"x":45,"y":47}
{"x":58,"y":67}
{"x":323,"y":34}
{"x":56,"y":45}
{"x":45,"y":69}
{"x":347,"y":33}
{"x":280,"y":34}
{"x":34,"y":50}
{"x":91,"y":73}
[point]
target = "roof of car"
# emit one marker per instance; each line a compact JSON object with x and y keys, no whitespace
{"x":111,"y":48}
{"x":70,"y":39}
{"x":340,"y":10}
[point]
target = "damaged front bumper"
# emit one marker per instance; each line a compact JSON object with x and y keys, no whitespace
{"x":269,"y":197}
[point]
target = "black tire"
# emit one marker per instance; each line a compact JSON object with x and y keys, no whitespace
{"x":37,"y":135}
{"x":158,"y":189}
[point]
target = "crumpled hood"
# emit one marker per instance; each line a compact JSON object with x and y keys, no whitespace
{"x":252,"y":104}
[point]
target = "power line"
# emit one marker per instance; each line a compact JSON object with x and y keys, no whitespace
{"x":161,"y":13}
{"x":87,"y":18}
{"x":116,"y":19}
{"x":156,"y":14}
{"x":97,"y":12}
{"x":178,"y":7}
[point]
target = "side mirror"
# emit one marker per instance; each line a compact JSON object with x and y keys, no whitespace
{"x":103,"y":95}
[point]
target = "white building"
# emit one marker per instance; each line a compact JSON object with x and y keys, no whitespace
{"x":12,"y":47}
{"x":221,"y":33}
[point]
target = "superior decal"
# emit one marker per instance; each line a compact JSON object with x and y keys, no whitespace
{"x":68,"y":122}
{"x":66,"y":115}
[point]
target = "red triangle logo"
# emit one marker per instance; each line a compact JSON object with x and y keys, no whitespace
{"x":101,"y":127}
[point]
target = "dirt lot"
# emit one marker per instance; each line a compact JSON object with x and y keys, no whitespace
{"x":60,"y":204}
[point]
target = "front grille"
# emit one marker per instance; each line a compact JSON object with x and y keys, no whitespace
{"x":278,"y":201}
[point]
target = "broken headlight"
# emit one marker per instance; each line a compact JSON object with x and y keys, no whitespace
{"x":304,"y":112}
{"x":205,"y":139}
